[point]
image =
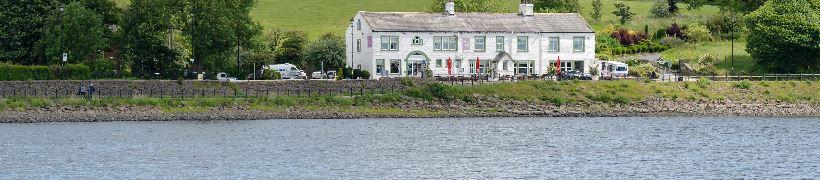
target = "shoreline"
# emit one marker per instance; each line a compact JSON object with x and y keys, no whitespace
{"x":415,"y":109}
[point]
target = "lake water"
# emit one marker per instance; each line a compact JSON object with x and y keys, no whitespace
{"x":415,"y":148}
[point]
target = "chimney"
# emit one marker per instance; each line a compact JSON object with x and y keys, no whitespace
{"x":525,"y":8}
{"x":450,"y":8}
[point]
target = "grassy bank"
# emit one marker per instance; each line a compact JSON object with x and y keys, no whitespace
{"x":557,"y":93}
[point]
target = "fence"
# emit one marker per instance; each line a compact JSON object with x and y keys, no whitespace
{"x":251,"y":90}
{"x":473,"y":80}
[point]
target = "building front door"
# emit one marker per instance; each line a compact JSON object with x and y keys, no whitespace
{"x":416,"y":68}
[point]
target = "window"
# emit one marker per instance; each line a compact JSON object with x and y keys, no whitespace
{"x":523,"y":43}
{"x":499,"y":43}
{"x":578,"y":44}
{"x":566,"y":66}
{"x":472,"y":66}
{"x":359,"y":45}
{"x":480,"y":45}
{"x":394,"y":66}
{"x":505,"y":66}
{"x":390,"y":43}
{"x":554,"y":45}
{"x":525,"y":67}
{"x":438,"y":63}
{"x":380,"y":66}
{"x":457,"y":63}
{"x":417,"y":41}
{"x":445,"y":43}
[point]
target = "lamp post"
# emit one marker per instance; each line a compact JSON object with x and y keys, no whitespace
{"x":733,"y":45}
{"x":191,"y":66}
{"x":64,"y":55}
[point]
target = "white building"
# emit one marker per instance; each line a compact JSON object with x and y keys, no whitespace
{"x":404,"y":44}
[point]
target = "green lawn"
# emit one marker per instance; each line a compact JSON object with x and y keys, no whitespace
{"x":721,"y":49}
{"x":321,"y":16}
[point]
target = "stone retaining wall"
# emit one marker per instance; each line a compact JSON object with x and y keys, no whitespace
{"x":168,"y":88}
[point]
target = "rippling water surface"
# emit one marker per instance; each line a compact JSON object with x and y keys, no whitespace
{"x":416,"y":148}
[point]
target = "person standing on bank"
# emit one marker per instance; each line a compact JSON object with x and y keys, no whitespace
{"x":91,"y":90}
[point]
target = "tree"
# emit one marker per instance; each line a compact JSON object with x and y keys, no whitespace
{"x":144,"y":33}
{"x":23,"y":25}
{"x":596,"y":10}
{"x":328,"y":50}
{"x":784,"y":35}
{"x":741,"y":6}
{"x":660,"y":8}
{"x":558,"y":6}
{"x":697,"y":33}
{"x":291,"y":47}
{"x":81,"y":33}
{"x":487,"y":6}
{"x":623,"y":11}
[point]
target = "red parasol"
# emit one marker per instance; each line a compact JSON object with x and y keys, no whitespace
{"x":450,"y":66}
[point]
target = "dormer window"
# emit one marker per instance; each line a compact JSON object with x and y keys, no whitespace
{"x":418,"y":41}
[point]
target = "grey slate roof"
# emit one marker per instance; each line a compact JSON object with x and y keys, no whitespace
{"x":476,"y":22}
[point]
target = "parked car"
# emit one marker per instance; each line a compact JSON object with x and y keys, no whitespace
{"x":572,"y":74}
{"x":224,"y":77}
{"x":317,"y":75}
{"x":288,"y":71}
{"x":330,"y":75}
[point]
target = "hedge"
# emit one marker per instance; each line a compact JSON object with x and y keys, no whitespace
{"x":10,"y":72}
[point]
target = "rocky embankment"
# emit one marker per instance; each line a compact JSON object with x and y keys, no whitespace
{"x":420,"y":109}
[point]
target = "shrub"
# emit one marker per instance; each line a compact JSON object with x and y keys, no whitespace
{"x":102,"y":68}
{"x":633,"y":62}
{"x":365,"y":74}
{"x":745,"y":84}
{"x":357,"y":73}
{"x":628,"y":37}
{"x":439,"y":91}
{"x":340,"y":74}
{"x":697,"y":33}
{"x":660,"y":34}
{"x":675,"y":31}
{"x":703,"y":82}
{"x":671,"y":41}
{"x":271,"y":75}
{"x":660,"y":8}
{"x":348,"y":73}
{"x":642,"y":70}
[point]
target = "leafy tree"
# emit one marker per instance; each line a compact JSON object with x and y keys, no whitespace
{"x":211,"y":32}
{"x":144,"y":31}
{"x":558,"y":6}
{"x":489,"y":6}
{"x":23,"y":25}
{"x":244,"y":26}
{"x":623,"y":11}
{"x":697,"y":33}
{"x":109,"y":11}
{"x":596,"y":10}
{"x":80,"y":31}
{"x":660,"y":8}
{"x":784,"y":35}
{"x":328,"y":49}
{"x":291,"y":47}
{"x":741,"y":6}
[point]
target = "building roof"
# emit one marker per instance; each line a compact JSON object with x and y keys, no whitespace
{"x":476,"y":22}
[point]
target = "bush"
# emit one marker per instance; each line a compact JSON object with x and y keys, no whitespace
{"x":660,"y":34}
{"x":642,"y":70}
{"x":365,"y":74}
{"x":671,"y":41}
{"x":675,"y":31}
{"x":723,"y":24}
{"x":703,"y":82}
{"x":439,"y":91}
{"x":628,"y":37}
{"x":660,"y":8}
{"x":357,"y":73}
{"x":348,"y":73}
{"x":102,"y":68}
{"x":697,"y":33}
{"x":745,"y":84}
{"x":10,"y":72}
{"x":271,"y":75}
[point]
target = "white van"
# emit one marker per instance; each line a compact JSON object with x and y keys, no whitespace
{"x":613,"y":69}
{"x":288,"y":71}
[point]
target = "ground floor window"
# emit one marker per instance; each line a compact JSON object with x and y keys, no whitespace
{"x":457,"y":63}
{"x":394,"y":66}
{"x":380,"y":66}
{"x":504,"y":66}
{"x":472,"y":66}
{"x":525,"y":67}
{"x":482,"y":68}
{"x":566,"y":66}
{"x":438,"y":63}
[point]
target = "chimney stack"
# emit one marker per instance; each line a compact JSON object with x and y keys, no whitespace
{"x":526,"y":8}
{"x":450,"y":8}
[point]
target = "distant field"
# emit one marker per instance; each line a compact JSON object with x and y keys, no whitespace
{"x":321,"y":16}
